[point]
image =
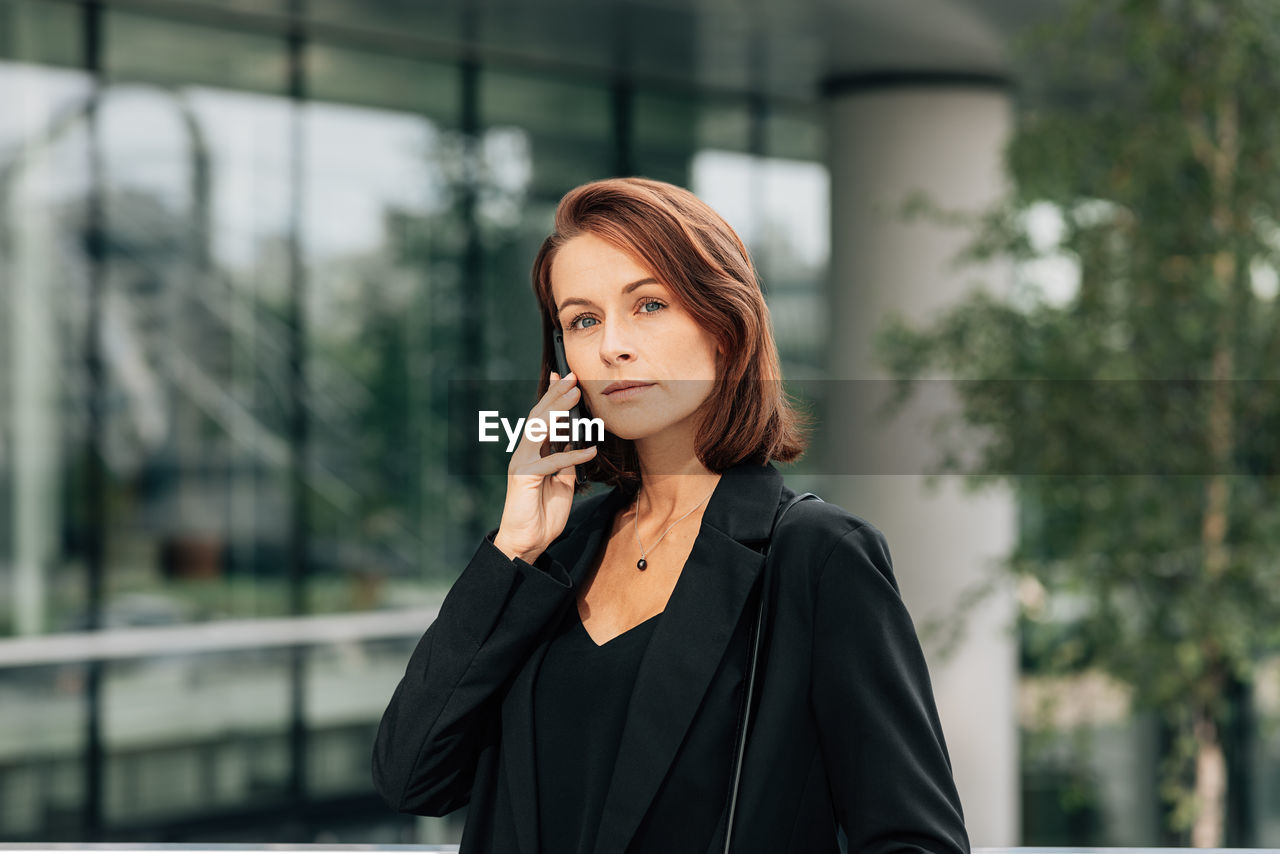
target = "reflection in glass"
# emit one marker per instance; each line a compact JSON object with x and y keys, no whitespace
{"x":378,"y":254}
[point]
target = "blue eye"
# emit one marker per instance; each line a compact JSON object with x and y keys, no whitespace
{"x":573,"y":324}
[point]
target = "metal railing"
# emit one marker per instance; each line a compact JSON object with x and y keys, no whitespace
{"x":217,"y":636}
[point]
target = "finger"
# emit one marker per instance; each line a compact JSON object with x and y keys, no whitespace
{"x":559,"y":387}
{"x":558,"y":393}
{"x":555,"y":389}
{"x":553,"y":463}
{"x":527,"y":451}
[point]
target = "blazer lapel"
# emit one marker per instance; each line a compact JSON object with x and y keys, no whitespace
{"x":683,"y":654}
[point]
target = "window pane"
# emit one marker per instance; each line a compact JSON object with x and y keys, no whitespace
{"x":382,"y":254}
{"x":157,"y":50}
{"x":355,"y":77}
{"x":665,"y":122}
{"x":41,"y":749}
{"x":438,"y":21}
{"x":552,"y":107}
{"x":34,"y":31}
{"x":588,"y":35}
{"x":193,"y":736}
{"x":196,"y":439}
{"x":796,"y":134}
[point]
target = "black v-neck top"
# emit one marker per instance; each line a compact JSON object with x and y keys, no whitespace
{"x":580,"y":705}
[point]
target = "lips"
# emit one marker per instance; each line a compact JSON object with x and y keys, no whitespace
{"x":624,"y":384}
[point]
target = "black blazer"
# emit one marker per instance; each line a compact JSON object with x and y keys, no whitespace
{"x":846,"y":731}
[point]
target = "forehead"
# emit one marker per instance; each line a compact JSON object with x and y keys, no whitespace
{"x":588,"y":264}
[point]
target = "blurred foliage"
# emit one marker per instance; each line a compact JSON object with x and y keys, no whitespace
{"x":1145,"y":160}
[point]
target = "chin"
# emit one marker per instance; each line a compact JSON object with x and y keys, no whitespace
{"x":637,"y":426}
{"x":632,"y":430}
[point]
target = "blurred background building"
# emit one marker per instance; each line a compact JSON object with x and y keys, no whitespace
{"x":244,"y":246}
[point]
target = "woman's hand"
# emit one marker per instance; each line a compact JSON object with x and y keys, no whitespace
{"x":540,"y":487}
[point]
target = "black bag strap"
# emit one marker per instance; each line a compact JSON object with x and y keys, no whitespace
{"x":751,"y":671}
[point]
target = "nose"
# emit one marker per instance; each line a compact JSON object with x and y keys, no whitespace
{"x":616,"y":344}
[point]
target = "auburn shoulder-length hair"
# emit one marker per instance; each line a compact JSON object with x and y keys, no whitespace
{"x":688,"y":247}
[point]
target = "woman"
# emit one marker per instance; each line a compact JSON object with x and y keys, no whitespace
{"x":580,"y":688}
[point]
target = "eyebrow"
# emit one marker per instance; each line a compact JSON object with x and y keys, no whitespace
{"x":626,"y":290}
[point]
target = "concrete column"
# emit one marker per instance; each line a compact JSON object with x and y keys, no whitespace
{"x":890,"y":136}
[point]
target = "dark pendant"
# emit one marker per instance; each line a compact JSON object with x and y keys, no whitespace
{"x":641,"y":563}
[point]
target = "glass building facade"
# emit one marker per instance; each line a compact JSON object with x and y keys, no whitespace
{"x":244,"y":248}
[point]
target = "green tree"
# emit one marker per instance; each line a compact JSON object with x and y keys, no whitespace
{"x":1152,"y":471}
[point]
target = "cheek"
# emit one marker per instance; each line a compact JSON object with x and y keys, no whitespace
{"x":698,"y":345}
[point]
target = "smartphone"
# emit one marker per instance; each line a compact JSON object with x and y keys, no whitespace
{"x":562,"y":368}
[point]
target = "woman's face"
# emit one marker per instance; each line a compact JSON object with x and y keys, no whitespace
{"x":621,"y":324}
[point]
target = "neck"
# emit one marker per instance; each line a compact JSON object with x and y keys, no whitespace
{"x":672,"y":478}
{"x":674,"y":492}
